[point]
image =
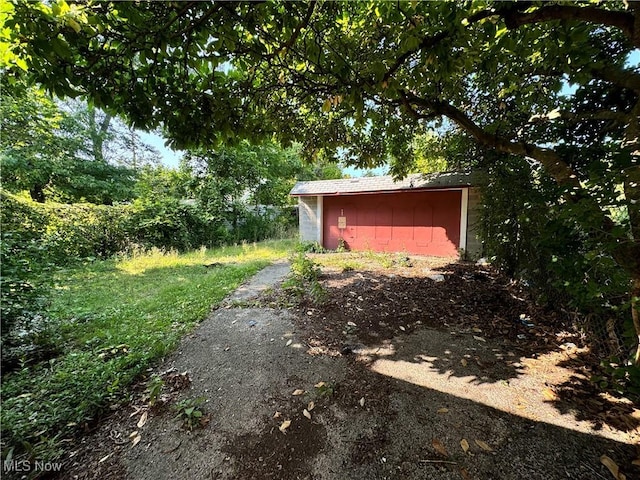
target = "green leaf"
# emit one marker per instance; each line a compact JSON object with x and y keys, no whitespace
{"x":73,"y":24}
{"x":61,"y":48}
{"x":20,"y":62}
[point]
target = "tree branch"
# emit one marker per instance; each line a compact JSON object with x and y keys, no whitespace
{"x":622,"y":77}
{"x":299,"y":27}
{"x":622,"y":20}
{"x":551,"y":161}
{"x":430,"y":42}
{"x":619,"y":117}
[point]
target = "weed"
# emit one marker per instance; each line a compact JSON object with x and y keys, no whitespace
{"x":304,"y":278}
{"x":189,"y":412}
{"x":46,"y":447}
{"x":310,"y":247}
{"x":386,"y":260}
{"x":325,"y":389}
{"x":402,"y":260}
{"x":617,"y":377}
{"x":154,"y":389}
{"x":317,"y":292}
{"x":304,"y":268}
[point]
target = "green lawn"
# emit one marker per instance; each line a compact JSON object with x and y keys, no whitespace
{"x":114,"y":320}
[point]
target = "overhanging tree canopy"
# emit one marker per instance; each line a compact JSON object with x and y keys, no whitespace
{"x":547,"y":80}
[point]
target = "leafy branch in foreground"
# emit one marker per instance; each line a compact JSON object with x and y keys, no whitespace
{"x":360,"y":80}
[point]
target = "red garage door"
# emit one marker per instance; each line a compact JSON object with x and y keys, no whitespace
{"x":423,"y":223}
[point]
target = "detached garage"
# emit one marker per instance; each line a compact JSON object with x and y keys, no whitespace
{"x":422,"y":214}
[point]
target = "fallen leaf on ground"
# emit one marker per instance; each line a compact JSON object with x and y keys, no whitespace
{"x":137,"y":410}
{"x":311,"y":406}
{"x":361,"y":402}
{"x":485,"y":446}
{"x":143,"y":420}
{"x":439,"y":447}
{"x":136,"y":440}
{"x":289,"y":342}
{"x":133,"y":434}
{"x":480,"y":339}
{"x":549,"y":394}
{"x":297,"y":392}
{"x":443,"y":410}
{"x":463,"y":362}
{"x":284,"y":426}
{"x":105,"y":457}
{"x":465,"y":475}
{"x":319,"y":384}
{"x":402,"y":328}
{"x":465,"y":445}
{"x":636,"y":462}
{"x":613,"y":468}
{"x":306,"y":413}
{"x":277,"y":415}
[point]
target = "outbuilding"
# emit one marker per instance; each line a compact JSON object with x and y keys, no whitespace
{"x":434,"y":214}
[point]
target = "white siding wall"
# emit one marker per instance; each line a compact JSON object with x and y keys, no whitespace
{"x":474,"y":246}
{"x":310,"y":218}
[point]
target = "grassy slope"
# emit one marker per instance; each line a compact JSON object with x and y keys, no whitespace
{"x":115,"y":319}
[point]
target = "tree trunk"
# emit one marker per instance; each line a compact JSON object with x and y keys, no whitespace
{"x":632,"y":196}
{"x":635,"y":314}
{"x":98,"y":133}
{"x":37,"y":193}
{"x":632,"y":192}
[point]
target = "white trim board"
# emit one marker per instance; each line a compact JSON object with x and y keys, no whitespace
{"x":464,"y":208}
{"x":319,"y":219}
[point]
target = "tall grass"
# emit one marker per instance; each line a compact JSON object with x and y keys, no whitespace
{"x":113,"y":320}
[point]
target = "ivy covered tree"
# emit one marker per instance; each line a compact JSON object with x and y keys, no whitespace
{"x":363,"y":78}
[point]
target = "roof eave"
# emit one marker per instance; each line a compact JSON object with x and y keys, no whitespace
{"x":372,"y":192}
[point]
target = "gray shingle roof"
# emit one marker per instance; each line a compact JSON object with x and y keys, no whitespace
{"x":382,"y":184}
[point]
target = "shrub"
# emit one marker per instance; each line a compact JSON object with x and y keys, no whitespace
{"x":532,"y":234}
{"x":81,"y":231}
{"x":23,"y":284}
{"x":257,"y":224}
{"x":169,"y":224}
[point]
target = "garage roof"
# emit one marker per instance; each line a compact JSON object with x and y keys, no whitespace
{"x":417,"y":181}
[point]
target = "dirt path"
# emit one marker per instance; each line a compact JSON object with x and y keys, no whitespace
{"x":404,"y":402}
